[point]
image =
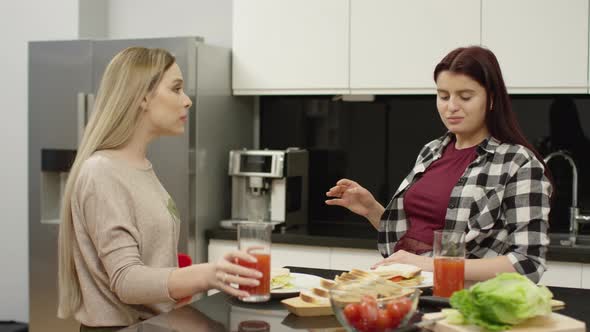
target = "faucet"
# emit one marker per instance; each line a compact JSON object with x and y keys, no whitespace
{"x":575,"y":216}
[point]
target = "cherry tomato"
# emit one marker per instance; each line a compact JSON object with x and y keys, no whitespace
{"x":405,"y":305}
{"x":364,"y":325}
{"x":395,"y":311}
{"x":369,"y":309}
{"x":352,"y":312}
{"x":384,"y":320}
{"x":357,"y":324}
{"x":395,"y":323}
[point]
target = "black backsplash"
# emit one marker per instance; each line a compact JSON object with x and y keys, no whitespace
{"x":376,"y":144}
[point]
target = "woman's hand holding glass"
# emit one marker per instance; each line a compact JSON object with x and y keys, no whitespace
{"x":226,"y":272}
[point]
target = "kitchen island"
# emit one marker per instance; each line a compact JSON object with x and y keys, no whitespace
{"x":220,"y":312}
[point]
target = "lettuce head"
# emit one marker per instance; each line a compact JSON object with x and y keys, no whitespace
{"x":499,"y":303}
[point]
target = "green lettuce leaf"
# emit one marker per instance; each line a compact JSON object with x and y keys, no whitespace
{"x":506,"y":300}
{"x":454,"y":316}
{"x":282,"y":281}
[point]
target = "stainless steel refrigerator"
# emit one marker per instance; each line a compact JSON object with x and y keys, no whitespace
{"x":63,"y":79}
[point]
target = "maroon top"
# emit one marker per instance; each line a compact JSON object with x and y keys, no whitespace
{"x":426,"y":201}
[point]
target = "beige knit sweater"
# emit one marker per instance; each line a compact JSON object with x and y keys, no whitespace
{"x":126,"y":235}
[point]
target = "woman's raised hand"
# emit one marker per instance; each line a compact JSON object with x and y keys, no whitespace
{"x":351,"y":195}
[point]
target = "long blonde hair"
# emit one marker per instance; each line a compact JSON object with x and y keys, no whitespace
{"x":130,"y":76}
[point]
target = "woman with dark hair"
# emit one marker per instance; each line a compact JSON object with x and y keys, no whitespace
{"x":482,"y":177}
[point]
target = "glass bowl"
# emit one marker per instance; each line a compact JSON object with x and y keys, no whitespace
{"x":373,"y":304}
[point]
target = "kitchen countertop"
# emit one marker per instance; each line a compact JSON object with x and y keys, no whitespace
{"x":301,"y":236}
{"x":220,"y":312}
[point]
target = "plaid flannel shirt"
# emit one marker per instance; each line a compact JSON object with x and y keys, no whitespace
{"x":501,"y":202}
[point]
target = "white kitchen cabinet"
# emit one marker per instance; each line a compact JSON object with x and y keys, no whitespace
{"x":218,"y":248}
{"x":346,"y":259}
{"x":305,"y":256}
{"x":586,"y":276}
{"x":290,"y":47}
{"x":562,"y":274}
{"x":395,"y":44}
{"x":298,"y":255}
{"x":542,"y":45}
{"x":392,"y":46}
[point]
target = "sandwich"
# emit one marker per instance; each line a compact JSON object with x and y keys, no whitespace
{"x":403,"y":274}
{"x":321,"y":292}
{"x":313,"y":298}
{"x":327,"y":283}
{"x":280,"y":278}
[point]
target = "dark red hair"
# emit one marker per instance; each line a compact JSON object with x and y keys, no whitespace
{"x":481,"y":65}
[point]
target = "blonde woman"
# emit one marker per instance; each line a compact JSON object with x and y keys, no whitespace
{"x":119,"y":230}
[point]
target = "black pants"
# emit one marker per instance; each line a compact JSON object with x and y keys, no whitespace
{"x":84,"y":328}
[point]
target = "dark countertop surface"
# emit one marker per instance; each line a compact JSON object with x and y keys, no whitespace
{"x":223,"y":313}
{"x":301,"y":236}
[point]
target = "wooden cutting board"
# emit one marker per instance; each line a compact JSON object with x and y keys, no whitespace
{"x":301,"y":308}
{"x":554,"y":322}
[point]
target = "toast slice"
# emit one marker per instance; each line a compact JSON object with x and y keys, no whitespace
{"x":405,"y":271}
{"x":360,"y":273}
{"x":322,"y":292}
{"x":327,"y":283}
{"x":345,"y":276}
{"x":310,"y":297}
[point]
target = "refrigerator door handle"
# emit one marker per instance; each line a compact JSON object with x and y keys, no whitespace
{"x":81,"y":115}
{"x":89,"y":106}
{"x":84,"y":108}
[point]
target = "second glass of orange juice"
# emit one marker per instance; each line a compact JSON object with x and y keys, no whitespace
{"x":449,"y":262}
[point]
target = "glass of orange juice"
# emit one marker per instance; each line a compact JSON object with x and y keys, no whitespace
{"x":254,"y":238}
{"x":449,"y":262}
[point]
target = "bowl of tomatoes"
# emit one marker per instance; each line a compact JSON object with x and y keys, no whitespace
{"x":373,"y":304}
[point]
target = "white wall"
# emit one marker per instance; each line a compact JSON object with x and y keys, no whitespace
{"x":211,"y":19}
{"x":21,"y":21}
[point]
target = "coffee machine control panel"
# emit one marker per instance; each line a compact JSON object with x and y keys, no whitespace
{"x":262,"y":163}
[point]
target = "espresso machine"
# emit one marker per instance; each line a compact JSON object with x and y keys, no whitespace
{"x":268,"y":186}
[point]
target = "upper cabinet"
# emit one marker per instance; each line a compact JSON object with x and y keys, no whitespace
{"x":395,"y":44}
{"x":542,"y":45}
{"x":392,"y":46}
{"x":290,"y":47}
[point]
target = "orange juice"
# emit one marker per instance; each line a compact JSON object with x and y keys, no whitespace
{"x":449,"y":275}
{"x":262,"y":265}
